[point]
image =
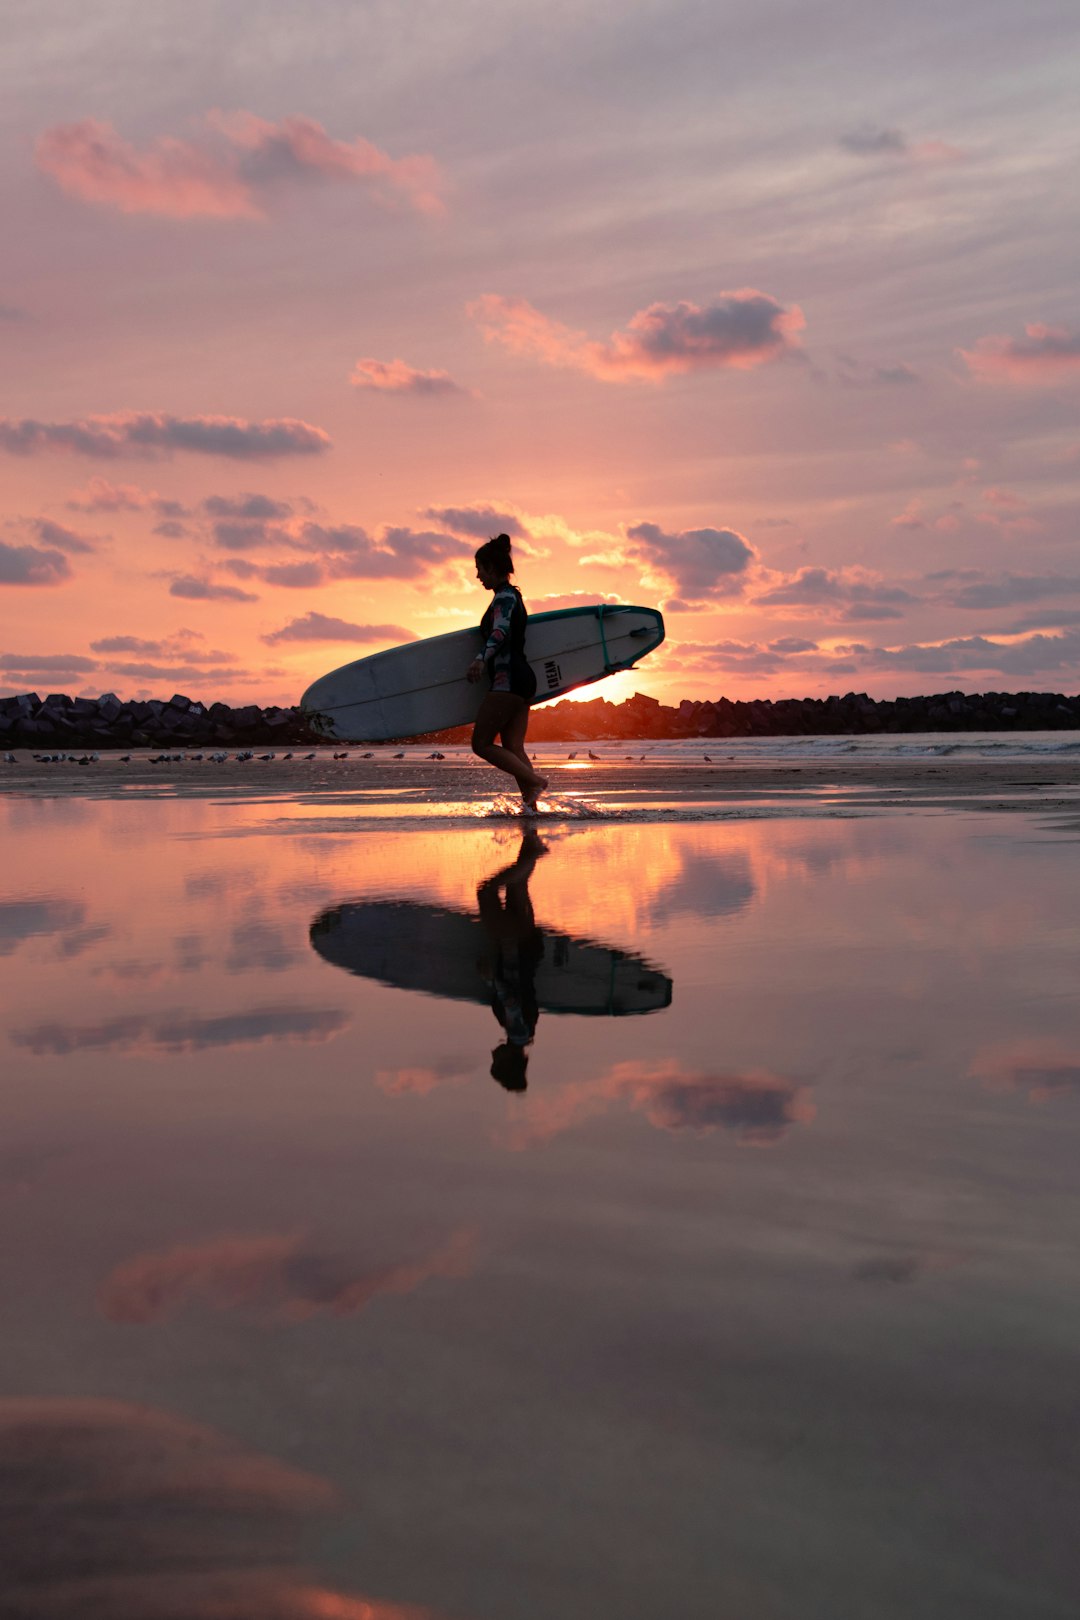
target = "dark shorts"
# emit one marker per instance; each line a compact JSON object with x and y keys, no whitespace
{"x":521,"y":681}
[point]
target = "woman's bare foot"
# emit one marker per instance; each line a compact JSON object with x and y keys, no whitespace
{"x":531,"y":795}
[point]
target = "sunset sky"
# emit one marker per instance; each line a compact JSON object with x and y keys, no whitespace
{"x":766,"y":312}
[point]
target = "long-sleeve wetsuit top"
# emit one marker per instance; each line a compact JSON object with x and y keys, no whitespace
{"x":503,"y":627}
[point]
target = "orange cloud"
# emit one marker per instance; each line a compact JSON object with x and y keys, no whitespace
{"x":272,"y":1276}
{"x":227,"y":175}
{"x":395,"y":377}
{"x":757,"y":1107}
{"x":1045,"y":354}
{"x":737,"y":330}
{"x":89,"y":160}
{"x":130,"y":1512}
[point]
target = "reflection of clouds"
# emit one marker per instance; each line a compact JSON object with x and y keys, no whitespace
{"x":757,"y":1107}
{"x":213,"y":883}
{"x":81,"y":940}
{"x":126,"y":1513}
{"x":43,"y":914}
{"x":898,"y":1268}
{"x":190,"y":953}
{"x":1041,"y":1066}
{"x":706,"y":886}
{"x":179,"y":1033}
{"x":130,"y":969}
{"x":272,"y":1276}
{"x":257,"y":945}
{"x":447,"y":1071}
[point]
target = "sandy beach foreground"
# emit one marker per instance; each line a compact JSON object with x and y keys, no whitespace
{"x":1003,"y":785}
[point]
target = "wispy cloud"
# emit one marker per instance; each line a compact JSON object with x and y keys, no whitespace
{"x":396,"y":377}
{"x":229,"y":172}
{"x":49,"y":533}
{"x":148,"y":434}
{"x":181,"y":1032}
{"x":180,"y":644}
{"x":1010,"y":590}
{"x":851,"y":596}
{"x":101,"y":495}
{"x":1045,"y":354}
{"x":874,"y":141}
{"x":737,"y":330}
{"x":1025,"y":656}
{"x":1040,"y":1065}
{"x":194,"y":589}
{"x":281,"y":1277}
{"x":321,"y":627}
{"x":181,"y":1520}
{"x":758,"y":1108}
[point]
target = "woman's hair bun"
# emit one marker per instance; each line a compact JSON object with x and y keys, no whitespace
{"x":495,"y":553}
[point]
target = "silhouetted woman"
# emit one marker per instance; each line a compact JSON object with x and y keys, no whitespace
{"x":504,"y":713}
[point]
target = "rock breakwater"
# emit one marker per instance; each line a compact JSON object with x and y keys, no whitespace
{"x":29,"y":721}
{"x":60,"y":721}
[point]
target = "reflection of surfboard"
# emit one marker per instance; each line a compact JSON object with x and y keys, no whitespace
{"x":445,"y":953}
{"x":420,"y":687}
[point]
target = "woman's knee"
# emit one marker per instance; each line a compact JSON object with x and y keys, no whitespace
{"x":481,"y":739}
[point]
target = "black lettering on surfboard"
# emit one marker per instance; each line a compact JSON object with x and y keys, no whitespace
{"x":552,"y":674}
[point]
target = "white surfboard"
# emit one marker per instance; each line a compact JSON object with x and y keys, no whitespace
{"x":407,"y":691}
{"x":449,"y":953}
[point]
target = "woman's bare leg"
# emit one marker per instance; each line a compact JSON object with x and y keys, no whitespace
{"x":513,"y":737}
{"x":506,"y":716}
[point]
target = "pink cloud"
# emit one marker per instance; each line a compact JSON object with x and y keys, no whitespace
{"x":701,"y":564}
{"x":99,"y":495}
{"x":273,"y":1275}
{"x":480,"y":522}
{"x":395,"y":377}
{"x":873,"y":141}
{"x":1045,"y":354}
{"x":194,"y":589}
{"x":321,"y":627}
{"x":423,"y":1079}
{"x":737,"y":330}
{"x":297,"y":145}
{"x":149,"y":434}
{"x":226,"y":174}
{"x":179,"y":179}
{"x":757,"y":1107}
{"x":32,"y":565}
{"x":113,"y":1509}
{"x":1043,"y":1067}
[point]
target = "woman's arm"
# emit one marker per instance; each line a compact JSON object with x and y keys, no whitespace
{"x":502,"y":608}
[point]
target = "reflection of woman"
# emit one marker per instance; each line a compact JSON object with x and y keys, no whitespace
{"x":504,"y":712}
{"x":507,"y":915}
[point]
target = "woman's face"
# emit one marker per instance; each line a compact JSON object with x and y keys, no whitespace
{"x":487,"y":578}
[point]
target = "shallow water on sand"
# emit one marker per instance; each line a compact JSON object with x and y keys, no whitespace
{"x":758,"y":1300}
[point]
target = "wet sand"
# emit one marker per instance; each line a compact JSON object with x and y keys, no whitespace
{"x":935,"y":783}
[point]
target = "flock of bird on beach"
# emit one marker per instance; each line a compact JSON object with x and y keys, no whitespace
{"x":242,"y":758}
